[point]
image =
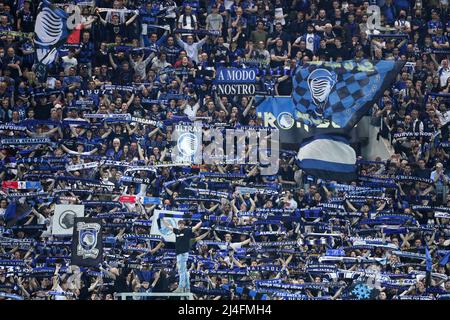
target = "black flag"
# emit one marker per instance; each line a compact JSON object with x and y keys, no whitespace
{"x":87,"y":244}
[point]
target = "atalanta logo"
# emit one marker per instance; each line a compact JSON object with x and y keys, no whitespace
{"x":320,"y":83}
{"x":66,"y":219}
{"x":285,"y":120}
{"x":188,"y":144}
{"x":87,"y":240}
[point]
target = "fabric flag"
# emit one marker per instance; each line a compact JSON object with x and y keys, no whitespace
{"x":331,"y":158}
{"x":341,"y":92}
{"x":429,"y":267}
{"x":75,"y":24}
{"x":328,"y":100}
{"x":50,"y":33}
{"x":64,"y":218}
{"x":21,"y":185}
{"x":16,"y":211}
{"x":362,"y":291}
{"x":75,"y":35}
{"x":445,"y":259}
{"x":160,"y":229}
{"x":87,"y":242}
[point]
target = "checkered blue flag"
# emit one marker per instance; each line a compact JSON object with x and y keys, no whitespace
{"x":341,"y":92}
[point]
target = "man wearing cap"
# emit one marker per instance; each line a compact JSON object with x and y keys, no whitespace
{"x":183,"y":236}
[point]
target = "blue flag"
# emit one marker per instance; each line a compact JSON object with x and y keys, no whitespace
{"x":330,"y":96}
{"x":15,"y":212}
{"x":328,"y":100}
{"x":445,"y":259}
{"x":50,"y":31}
{"x":341,"y":92}
{"x":429,"y":266}
{"x":429,"y":263}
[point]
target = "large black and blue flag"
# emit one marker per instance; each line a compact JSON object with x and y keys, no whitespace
{"x":50,"y":33}
{"x":328,"y":100}
{"x":87,"y":242}
{"x":16,"y":211}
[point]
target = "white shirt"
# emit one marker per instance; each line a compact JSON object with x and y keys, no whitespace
{"x":159,"y":65}
{"x":191,"y":49}
{"x":435,"y":174}
{"x":402,"y":23}
{"x":140,"y":67}
{"x":190,"y":21}
{"x":310,"y":41}
{"x":68,"y":63}
{"x":444,"y":75}
{"x":191,"y":111}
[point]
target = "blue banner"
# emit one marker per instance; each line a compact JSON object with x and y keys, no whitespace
{"x":331,"y":94}
{"x":235,"y":75}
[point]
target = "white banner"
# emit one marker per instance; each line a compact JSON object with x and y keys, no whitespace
{"x":160,"y":229}
{"x":63,"y":219}
{"x":82,"y":166}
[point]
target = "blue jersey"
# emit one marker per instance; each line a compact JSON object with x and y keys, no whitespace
{"x":440,"y":39}
{"x":433,"y":25}
{"x":87,"y":52}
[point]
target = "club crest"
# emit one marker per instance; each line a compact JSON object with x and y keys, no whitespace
{"x":87,"y":240}
{"x":320,"y":84}
{"x":66,"y":219}
{"x":187,"y":144}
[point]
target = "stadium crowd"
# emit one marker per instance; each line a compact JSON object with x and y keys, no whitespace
{"x":383,"y":236}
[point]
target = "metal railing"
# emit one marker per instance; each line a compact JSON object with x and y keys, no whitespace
{"x":124,"y":295}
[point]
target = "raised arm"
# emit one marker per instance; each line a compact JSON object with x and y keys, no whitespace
{"x":130,"y":21}
{"x":103,"y":21}
{"x":180,"y":42}
{"x":158,"y":246}
{"x":197,"y":226}
{"x":111,"y":60}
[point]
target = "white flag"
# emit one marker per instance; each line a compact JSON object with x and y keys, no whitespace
{"x":63,"y":219}
{"x":160,"y":229}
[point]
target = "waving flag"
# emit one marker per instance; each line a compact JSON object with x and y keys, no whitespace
{"x":330,"y":157}
{"x":21,"y":185}
{"x":16,"y":211}
{"x":428,"y":266}
{"x":328,"y":100}
{"x":51,"y":31}
{"x":341,"y":92}
{"x":160,"y":229}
